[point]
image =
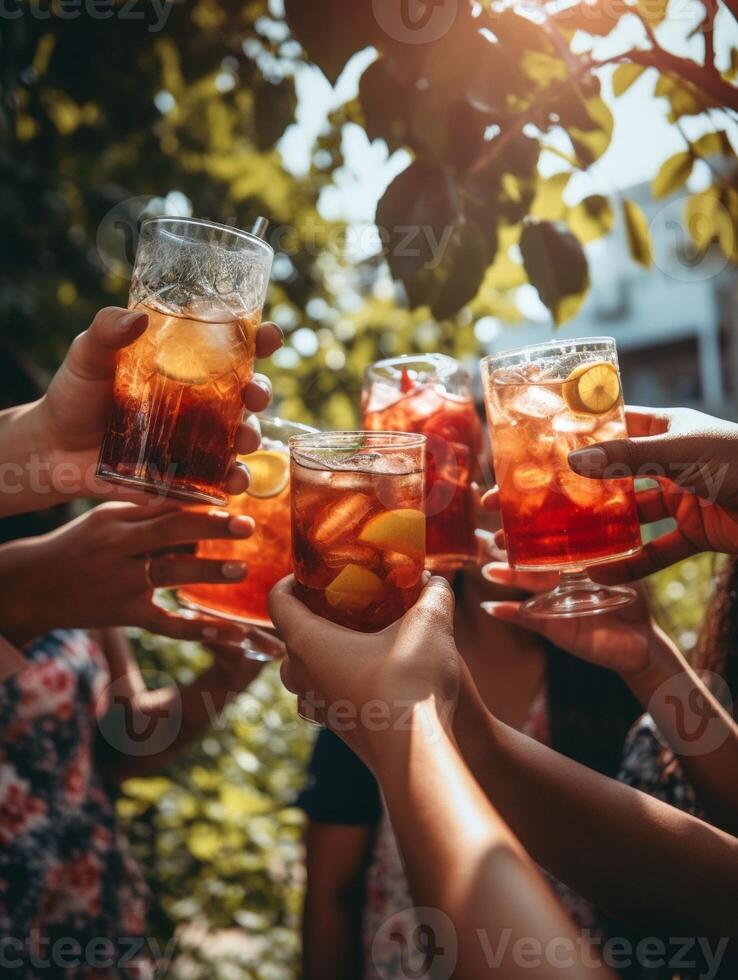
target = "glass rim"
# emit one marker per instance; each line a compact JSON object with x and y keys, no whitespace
{"x":436,"y":359}
{"x":278,"y":421}
{"x":206,"y":223}
{"x":551,"y":345}
{"x":372,"y":438}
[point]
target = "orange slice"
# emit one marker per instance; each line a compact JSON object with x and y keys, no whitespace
{"x":270,"y":473}
{"x":396,"y":530}
{"x":592,"y":389}
{"x":354,"y":588}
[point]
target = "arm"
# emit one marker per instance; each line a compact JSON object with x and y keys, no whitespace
{"x":645,"y":862}
{"x":337,"y":857}
{"x":167,"y":719}
{"x":461,"y":859}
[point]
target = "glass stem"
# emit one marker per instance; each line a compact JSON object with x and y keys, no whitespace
{"x":574,"y":580}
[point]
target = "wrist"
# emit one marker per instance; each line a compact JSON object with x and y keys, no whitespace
{"x":418,"y":727}
{"x":26,"y":596}
{"x":663,"y":662}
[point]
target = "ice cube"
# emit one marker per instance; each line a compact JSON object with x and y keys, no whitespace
{"x":404,"y":571}
{"x":535,"y":402}
{"x":349,"y":554}
{"x":340,"y":519}
{"x":582,"y":491}
{"x":570,"y":424}
{"x":527,"y":477}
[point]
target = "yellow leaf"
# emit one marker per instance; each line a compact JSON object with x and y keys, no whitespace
{"x":624,"y":76}
{"x":639,"y":235}
{"x":548,"y":203}
{"x":672,"y":174}
{"x":654,"y":11}
{"x":150,"y":790}
{"x":591,"y":218}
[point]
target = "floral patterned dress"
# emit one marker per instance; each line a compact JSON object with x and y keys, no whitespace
{"x":72,"y":902}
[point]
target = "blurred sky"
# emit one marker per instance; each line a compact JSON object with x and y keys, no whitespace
{"x":643,"y":137}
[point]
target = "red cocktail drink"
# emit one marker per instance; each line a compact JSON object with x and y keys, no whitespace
{"x":358,"y":525}
{"x":431,"y":395}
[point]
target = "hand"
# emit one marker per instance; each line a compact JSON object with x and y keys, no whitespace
{"x":363,"y":685}
{"x":624,"y":640}
{"x":232,"y":670}
{"x":701,"y":492}
{"x":102,"y":570}
{"x":70,"y":419}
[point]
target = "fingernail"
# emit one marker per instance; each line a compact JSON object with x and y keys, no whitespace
{"x":592,"y":459}
{"x":210,"y":633}
{"x":218,"y":513}
{"x":233,"y":569}
{"x":134,"y":318}
{"x":489,"y":607}
{"x":240,"y":525}
{"x":497,"y":575}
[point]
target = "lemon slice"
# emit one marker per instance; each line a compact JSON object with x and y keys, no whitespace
{"x":592,"y":389}
{"x":354,"y":588}
{"x":396,"y":530}
{"x":182,"y":365}
{"x":192,"y":353}
{"x":270,"y":473}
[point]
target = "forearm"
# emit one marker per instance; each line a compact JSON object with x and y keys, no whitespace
{"x":173,"y":717}
{"x":462,"y":859}
{"x":696,"y":726}
{"x":331,"y":947}
{"x":644,"y":862}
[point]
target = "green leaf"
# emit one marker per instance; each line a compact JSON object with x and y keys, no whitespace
{"x":624,"y":76}
{"x":672,"y":174}
{"x":416,"y":218}
{"x":384,"y":101}
{"x":592,"y":218}
{"x":557,"y":266}
{"x":328,"y":34}
{"x":638,"y":232}
{"x":464,"y":266}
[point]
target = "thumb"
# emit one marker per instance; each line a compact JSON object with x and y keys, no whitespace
{"x":436,"y":605}
{"x":647,"y":456}
{"x":92,"y":355}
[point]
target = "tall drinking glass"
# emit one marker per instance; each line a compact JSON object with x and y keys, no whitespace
{"x":358,"y":524}
{"x":178,"y":395}
{"x":268,"y":552}
{"x":431,"y":394}
{"x":544,"y":402}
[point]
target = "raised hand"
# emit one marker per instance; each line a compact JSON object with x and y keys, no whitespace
{"x":363,"y":684}
{"x":64,"y":429}
{"x":102,"y":569}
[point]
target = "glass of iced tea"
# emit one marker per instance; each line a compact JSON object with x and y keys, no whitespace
{"x":358,"y":524}
{"x":178,"y":395}
{"x":543,"y":403}
{"x":431,"y":394}
{"x":268,"y":552}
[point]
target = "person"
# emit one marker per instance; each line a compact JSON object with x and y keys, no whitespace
{"x":661,"y":871}
{"x":76,"y":718}
{"x":49,"y":447}
{"x":480,"y":894}
{"x":355,"y":877}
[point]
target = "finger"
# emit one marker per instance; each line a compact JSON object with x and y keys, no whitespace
{"x":269,"y":338}
{"x":237,"y":481}
{"x":187,"y":625}
{"x":435,"y":606}
{"x":500,"y":540}
{"x":258,"y":393}
{"x":652,"y":505}
{"x":248,"y":436}
{"x":509,"y":612}
{"x":186,"y":526}
{"x":93,"y":354}
{"x":501,"y":574}
{"x":286,"y":672}
{"x":166,"y":572}
{"x":491,"y":499}
{"x":296,"y":625}
{"x":664,"y":551}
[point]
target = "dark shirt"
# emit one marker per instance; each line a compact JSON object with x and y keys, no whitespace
{"x":340,"y":789}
